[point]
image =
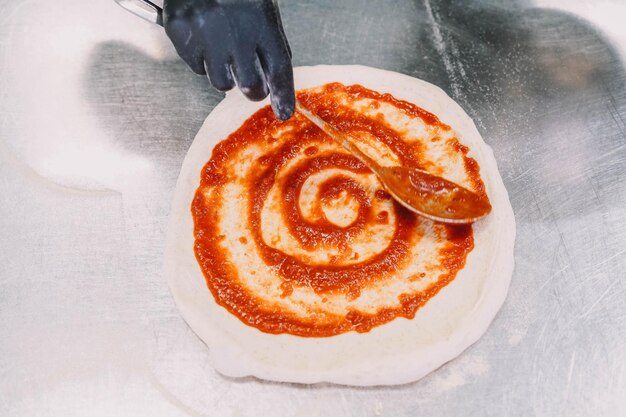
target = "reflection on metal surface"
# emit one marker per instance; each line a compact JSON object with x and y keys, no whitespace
{"x":92,"y":98}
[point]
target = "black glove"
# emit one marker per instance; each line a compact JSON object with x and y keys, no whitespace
{"x":235,"y":41}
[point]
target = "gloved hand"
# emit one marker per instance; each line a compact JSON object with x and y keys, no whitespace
{"x":235,"y":41}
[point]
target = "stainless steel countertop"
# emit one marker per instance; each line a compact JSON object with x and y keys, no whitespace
{"x":96,"y":114}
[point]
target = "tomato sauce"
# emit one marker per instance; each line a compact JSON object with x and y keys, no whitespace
{"x":336,"y":277}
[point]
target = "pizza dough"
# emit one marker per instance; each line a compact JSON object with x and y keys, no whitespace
{"x":392,"y":350}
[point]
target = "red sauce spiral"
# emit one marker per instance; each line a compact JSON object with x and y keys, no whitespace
{"x":294,"y":235}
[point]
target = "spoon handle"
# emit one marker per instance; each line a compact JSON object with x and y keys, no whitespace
{"x":145,"y":9}
{"x":340,"y":137}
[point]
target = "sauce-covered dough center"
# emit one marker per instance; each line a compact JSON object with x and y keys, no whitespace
{"x":294,"y":235}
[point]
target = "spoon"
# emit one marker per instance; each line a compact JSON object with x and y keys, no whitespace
{"x":425,"y":194}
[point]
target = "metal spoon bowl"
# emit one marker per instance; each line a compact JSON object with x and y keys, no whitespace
{"x":419,"y":191}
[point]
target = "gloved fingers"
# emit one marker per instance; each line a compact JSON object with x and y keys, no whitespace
{"x":279,"y":23}
{"x":186,"y":44}
{"x":220,"y":74}
{"x":249,"y":76}
{"x":276,"y":63}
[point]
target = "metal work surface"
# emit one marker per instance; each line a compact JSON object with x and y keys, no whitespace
{"x":97,"y":112}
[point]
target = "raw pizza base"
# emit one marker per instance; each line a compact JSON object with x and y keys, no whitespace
{"x":398,"y":352}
